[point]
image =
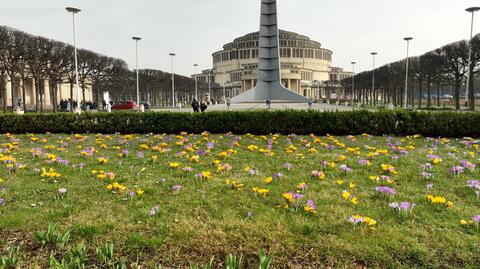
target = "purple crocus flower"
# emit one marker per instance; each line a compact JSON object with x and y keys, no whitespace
{"x":177,"y":188}
{"x":427,"y":166}
{"x":187,"y":169}
{"x":288,"y":166}
{"x":474,"y":184}
{"x":386,"y":178}
{"x":476,"y":218}
{"x":355,"y":220}
{"x":277,"y":175}
{"x":468,"y":165}
{"x":312,"y":204}
{"x":429,"y":186}
{"x":394,"y":205}
{"x":297,"y":196}
{"x":154,"y":210}
{"x":345,"y":169}
{"x":131,"y":194}
{"x":2,"y":202}
{"x":202,"y":152}
{"x":363,"y":162}
{"x":386,"y":190}
{"x":457,"y":170}
{"x":210,"y":145}
{"x":62,"y":191}
{"x":406,"y":206}
{"x":426,"y":175}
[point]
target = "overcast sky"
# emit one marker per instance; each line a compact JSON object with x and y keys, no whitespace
{"x":194,"y":29}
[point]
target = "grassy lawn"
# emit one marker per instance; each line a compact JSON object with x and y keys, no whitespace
{"x":175,"y":200}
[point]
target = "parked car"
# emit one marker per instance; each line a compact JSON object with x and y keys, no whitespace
{"x":447,"y":96}
{"x":128,"y":105}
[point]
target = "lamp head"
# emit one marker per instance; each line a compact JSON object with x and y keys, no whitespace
{"x":172,"y":54}
{"x":73,"y":10}
{"x":472,"y":9}
{"x":374,"y":53}
{"x":354,"y":62}
{"x":136,"y":38}
{"x":408,"y":38}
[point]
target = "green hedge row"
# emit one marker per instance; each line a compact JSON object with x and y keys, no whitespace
{"x":433,"y":124}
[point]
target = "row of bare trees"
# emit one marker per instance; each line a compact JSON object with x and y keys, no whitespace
{"x":447,"y":65}
{"x":24,"y":56}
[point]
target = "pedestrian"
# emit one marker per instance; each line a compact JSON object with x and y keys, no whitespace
{"x":195,"y":106}
{"x":203,"y":107}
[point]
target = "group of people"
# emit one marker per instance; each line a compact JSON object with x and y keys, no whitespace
{"x":199,"y":107}
{"x":69,"y":105}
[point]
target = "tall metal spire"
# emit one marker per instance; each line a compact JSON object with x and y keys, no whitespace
{"x":269,"y":85}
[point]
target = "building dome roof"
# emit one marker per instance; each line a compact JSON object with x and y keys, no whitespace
{"x":305,"y":42}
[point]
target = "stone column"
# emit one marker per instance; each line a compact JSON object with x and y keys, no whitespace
{"x":46,"y":99}
{"x":34,"y":93}
{"x":9,"y":94}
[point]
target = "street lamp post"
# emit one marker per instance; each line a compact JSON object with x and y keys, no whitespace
{"x":136,"y":38}
{"x":224,"y":88}
{"x":352,"y":97}
{"x":405,"y":104}
{"x":209,"y":87}
{"x":173,"y":81}
{"x":470,"y":68}
{"x":74,"y":11}
{"x":196,"y":82}
{"x":373,"y":78}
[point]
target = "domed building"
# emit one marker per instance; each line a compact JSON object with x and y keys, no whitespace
{"x":305,"y":65}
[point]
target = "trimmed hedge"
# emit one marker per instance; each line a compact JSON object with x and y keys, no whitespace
{"x":433,"y":124}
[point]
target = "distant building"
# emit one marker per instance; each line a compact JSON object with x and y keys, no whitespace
{"x":63,"y":93}
{"x":306,"y":66}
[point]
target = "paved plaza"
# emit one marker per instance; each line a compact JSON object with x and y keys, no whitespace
{"x":263,"y":106}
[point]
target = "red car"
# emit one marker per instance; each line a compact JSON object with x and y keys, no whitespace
{"x":128,"y":105}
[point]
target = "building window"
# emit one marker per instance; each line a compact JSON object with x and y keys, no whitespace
{"x":285,"y":53}
{"x":255,"y":53}
{"x":237,"y":76}
{"x":298,"y":53}
{"x":307,"y":76}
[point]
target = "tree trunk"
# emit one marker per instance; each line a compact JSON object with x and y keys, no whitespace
{"x":438,"y":93}
{"x":71,"y":96}
{"x":12,"y":84}
{"x":24,"y":95}
{"x":3,"y":90}
{"x":429,"y":93}
{"x":83,"y":95}
{"x":53,"y":90}
{"x":471,"y":93}
{"x":37,"y":88}
{"x":420,"y":93}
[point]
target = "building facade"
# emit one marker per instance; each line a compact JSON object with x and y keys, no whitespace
{"x":63,"y":93}
{"x":305,"y":65}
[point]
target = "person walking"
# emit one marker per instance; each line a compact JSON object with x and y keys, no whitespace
{"x":195,"y":106}
{"x":203,"y":107}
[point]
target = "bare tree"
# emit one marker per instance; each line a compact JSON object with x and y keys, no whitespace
{"x":454,"y":61}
